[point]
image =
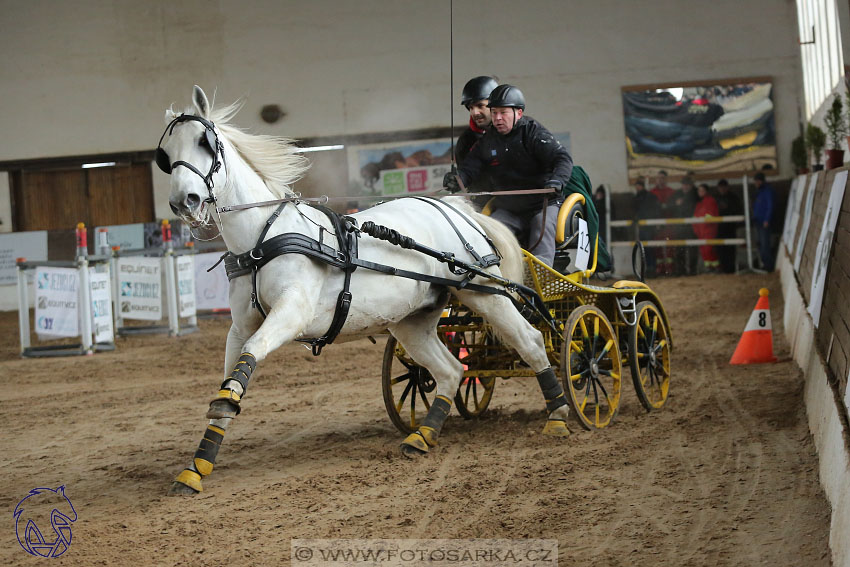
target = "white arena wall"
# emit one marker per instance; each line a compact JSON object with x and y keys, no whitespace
{"x":94,"y":76}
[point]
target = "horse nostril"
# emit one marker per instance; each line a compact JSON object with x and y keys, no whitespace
{"x":192,"y":200}
{"x":173,"y":208}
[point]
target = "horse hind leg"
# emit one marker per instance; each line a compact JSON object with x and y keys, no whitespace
{"x":418,"y":336}
{"x":509,"y":325}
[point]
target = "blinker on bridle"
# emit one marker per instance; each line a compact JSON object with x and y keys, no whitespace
{"x":214,"y":146}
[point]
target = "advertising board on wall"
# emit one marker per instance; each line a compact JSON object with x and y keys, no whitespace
{"x":30,"y":245}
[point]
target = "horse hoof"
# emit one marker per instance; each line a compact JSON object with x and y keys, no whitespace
{"x":556,"y":428}
{"x":411,"y":452}
{"x":220,"y":409}
{"x":180,"y":489}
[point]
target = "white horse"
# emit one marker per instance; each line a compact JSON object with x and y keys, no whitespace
{"x":213,"y":164}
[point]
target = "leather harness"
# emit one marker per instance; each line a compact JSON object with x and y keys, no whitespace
{"x":345,"y":257}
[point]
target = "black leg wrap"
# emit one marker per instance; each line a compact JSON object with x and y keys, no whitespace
{"x":552,"y":389}
{"x":437,"y":414}
{"x":204,"y":459}
{"x":242,"y":370}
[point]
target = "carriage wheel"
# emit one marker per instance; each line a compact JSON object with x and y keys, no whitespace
{"x":591,"y":367}
{"x":475,"y":392}
{"x":650,"y":363}
{"x":408,"y":388}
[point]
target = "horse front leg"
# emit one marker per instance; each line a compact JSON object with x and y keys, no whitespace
{"x":281,"y":326}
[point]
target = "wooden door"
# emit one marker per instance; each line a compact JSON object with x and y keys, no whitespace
{"x":59,"y":199}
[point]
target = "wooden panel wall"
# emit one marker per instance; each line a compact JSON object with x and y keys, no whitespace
{"x":59,"y":199}
{"x":832,"y":337}
{"x":833,"y":333}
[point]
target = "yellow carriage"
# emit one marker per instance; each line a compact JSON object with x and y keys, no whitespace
{"x":597,"y":332}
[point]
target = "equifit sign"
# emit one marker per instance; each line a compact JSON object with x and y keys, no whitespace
{"x":140,"y":288}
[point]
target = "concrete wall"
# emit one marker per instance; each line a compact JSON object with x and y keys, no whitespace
{"x":823,"y":411}
{"x":94,"y":76}
{"x":822,"y":351}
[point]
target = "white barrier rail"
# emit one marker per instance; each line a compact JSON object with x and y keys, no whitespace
{"x":166,"y":261}
{"x":83,"y":309}
{"x":131,"y":292}
{"x":708,"y":219}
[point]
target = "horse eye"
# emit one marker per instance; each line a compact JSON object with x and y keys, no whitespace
{"x":203,"y":142}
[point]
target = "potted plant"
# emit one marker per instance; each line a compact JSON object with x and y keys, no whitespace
{"x":815,"y":141}
{"x":834,"y":122}
{"x":799,"y":155}
{"x":847,"y":115}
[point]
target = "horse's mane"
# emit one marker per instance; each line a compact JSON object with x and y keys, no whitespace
{"x":271,"y":157}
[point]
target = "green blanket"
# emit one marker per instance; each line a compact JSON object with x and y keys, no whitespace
{"x":580,"y":183}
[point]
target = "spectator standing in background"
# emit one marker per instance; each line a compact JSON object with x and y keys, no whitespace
{"x":599,"y":203}
{"x":706,"y":206}
{"x":645,"y":205}
{"x":683,"y":203}
{"x":728,"y":204}
{"x":663,"y":254}
{"x":763,"y":208}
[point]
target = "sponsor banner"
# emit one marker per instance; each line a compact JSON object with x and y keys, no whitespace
{"x":211,"y":288}
{"x":29,"y":245}
{"x":186,"y":303}
{"x":807,"y":218}
{"x":101,"y":306}
{"x":827,"y":235}
{"x":56,"y":302}
{"x":140,"y":288}
{"x":412,"y":179}
{"x":792,"y":210}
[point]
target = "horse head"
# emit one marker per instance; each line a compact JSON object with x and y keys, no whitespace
{"x":191,"y":150}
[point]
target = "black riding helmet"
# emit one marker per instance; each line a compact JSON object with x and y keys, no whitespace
{"x":506,"y":96}
{"x":477,"y":89}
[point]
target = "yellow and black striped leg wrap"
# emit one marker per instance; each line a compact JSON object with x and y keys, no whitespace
{"x":204,"y":460}
{"x":426,"y":436}
{"x":226,"y":402}
{"x":552,"y":389}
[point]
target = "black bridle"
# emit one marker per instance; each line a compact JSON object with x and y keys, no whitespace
{"x":209,"y":141}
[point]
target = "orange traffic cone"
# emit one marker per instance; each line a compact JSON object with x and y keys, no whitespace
{"x":756,"y":344}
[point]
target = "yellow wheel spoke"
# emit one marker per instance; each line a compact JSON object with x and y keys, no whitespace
{"x":584,"y":332}
{"x":575,"y":346}
{"x":575,"y":377}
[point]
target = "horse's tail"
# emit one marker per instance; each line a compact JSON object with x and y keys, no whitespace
{"x":508,"y":246}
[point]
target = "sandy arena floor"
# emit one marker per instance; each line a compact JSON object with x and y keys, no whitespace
{"x":725,"y":474}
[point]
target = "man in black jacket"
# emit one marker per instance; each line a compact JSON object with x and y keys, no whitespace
{"x":518,"y":152}
{"x":475,"y":97}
